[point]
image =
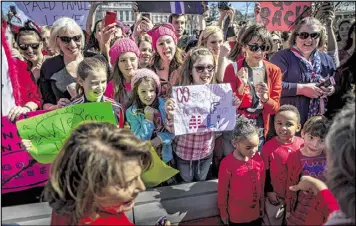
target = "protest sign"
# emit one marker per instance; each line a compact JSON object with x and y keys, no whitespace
{"x":158,"y":172}
{"x":173,"y":7}
{"x":203,"y":108}
{"x":45,"y":13}
{"x":280,"y":16}
{"x":14,"y":159}
{"x":49,"y":131}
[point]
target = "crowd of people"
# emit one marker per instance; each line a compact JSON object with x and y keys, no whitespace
{"x":287,"y":88}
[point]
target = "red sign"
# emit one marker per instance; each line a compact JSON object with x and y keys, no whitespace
{"x":14,"y":159}
{"x":282,"y":16}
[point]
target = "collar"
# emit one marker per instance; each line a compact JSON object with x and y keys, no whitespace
{"x":85,"y":100}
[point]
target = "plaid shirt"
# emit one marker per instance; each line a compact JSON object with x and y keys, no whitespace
{"x":117,"y":108}
{"x":194,"y":146}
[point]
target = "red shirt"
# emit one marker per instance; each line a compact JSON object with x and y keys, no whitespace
{"x":275,"y":155}
{"x":105,"y":219}
{"x":241,"y":188}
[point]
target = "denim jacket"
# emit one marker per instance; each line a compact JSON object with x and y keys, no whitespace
{"x":144,"y":129}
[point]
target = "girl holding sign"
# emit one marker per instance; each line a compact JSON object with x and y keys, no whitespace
{"x":256,"y":82}
{"x":194,"y":152}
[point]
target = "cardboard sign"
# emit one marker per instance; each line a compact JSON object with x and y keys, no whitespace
{"x":14,"y":158}
{"x":173,"y":7}
{"x":49,"y":131}
{"x":280,"y":16}
{"x":203,"y":108}
{"x":45,"y":13}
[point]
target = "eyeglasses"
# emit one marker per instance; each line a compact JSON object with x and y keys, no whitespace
{"x":25,"y":47}
{"x":305,"y":35}
{"x":275,"y":41}
{"x":200,"y":69}
{"x":68,"y":39}
{"x":255,"y":47}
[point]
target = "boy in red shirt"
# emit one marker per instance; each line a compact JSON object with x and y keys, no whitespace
{"x":275,"y":154}
{"x":242,"y":178}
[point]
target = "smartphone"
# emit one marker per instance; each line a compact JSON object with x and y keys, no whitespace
{"x":110,"y":18}
{"x":328,"y":82}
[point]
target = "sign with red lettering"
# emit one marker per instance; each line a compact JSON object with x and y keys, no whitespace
{"x":281,"y":16}
{"x":14,"y":159}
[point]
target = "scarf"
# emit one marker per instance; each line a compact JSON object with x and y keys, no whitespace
{"x":313,"y":75}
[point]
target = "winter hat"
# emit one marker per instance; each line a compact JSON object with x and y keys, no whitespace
{"x":121,"y":46}
{"x":144,"y":72}
{"x":161,"y":30}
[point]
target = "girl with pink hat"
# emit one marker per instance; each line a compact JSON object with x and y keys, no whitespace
{"x":146,"y":114}
{"x":168,"y":58}
{"x":124,"y":56}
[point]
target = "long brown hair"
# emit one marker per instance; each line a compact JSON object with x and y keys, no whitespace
{"x":186,"y":77}
{"x":176,"y":62}
{"x":135,"y":99}
{"x":91,"y":159}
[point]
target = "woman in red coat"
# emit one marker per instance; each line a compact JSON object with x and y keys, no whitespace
{"x":19,"y":92}
{"x":255,"y":81}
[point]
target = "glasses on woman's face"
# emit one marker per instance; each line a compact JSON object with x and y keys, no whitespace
{"x":25,"y":47}
{"x":201,"y":69}
{"x":68,"y":39}
{"x":305,"y":35}
{"x":256,"y":47}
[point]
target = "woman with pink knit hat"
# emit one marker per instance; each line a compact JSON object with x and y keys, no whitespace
{"x":146,"y":114}
{"x":168,"y":57}
{"x":124,"y":56}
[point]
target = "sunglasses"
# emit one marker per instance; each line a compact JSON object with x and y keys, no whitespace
{"x":200,"y":69}
{"x":255,"y":47}
{"x":305,"y":35}
{"x":68,"y":39}
{"x":25,"y":47}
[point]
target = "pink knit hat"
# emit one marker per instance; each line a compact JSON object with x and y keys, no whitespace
{"x":144,"y":72}
{"x":121,"y":46}
{"x":161,"y":30}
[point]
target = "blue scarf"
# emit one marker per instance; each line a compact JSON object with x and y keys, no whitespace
{"x":313,"y":75}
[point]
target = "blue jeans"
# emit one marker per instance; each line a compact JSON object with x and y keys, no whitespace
{"x":195,"y":169}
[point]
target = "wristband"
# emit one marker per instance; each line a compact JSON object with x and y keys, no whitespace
{"x":27,"y":108}
{"x":263,"y":102}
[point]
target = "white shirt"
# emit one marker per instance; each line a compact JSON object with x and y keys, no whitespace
{"x":8,"y":100}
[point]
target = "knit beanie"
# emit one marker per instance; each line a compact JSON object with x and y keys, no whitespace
{"x":121,"y":46}
{"x":161,"y":30}
{"x":144,"y":72}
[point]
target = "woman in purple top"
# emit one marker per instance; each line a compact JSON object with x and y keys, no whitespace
{"x":304,"y":69}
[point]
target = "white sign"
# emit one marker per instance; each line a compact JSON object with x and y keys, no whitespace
{"x":45,"y":13}
{"x":203,"y":108}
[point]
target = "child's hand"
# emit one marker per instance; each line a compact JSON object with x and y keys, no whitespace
{"x":235,"y":100}
{"x":16,"y":111}
{"x":156,"y":142}
{"x":309,"y":184}
{"x":169,"y":108}
{"x":26,"y":144}
{"x":273,"y":198}
{"x":62,"y":103}
{"x":262,"y":91}
{"x":149,"y":113}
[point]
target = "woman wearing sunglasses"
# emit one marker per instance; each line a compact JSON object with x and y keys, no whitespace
{"x":167,"y":58}
{"x":304,"y":68}
{"x":256,"y":82}
{"x":29,"y":42}
{"x":58,"y":74}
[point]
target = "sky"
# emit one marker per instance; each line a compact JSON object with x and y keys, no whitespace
{"x":241,"y":6}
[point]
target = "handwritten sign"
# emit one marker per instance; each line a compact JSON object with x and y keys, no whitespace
{"x":203,"y":108}
{"x":45,"y":13}
{"x":49,"y":131}
{"x":280,"y":16}
{"x":173,"y":7}
{"x":14,"y":159}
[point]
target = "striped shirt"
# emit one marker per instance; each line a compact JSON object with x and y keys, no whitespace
{"x":117,"y":108}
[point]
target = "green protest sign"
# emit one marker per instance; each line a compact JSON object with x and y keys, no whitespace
{"x":49,"y":131}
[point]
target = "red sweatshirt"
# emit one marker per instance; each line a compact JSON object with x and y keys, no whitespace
{"x":105,"y":219}
{"x":240,"y":188}
{"x":324,"y":203}
{"x":274,"y":83}
{"x":275,"y":155}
